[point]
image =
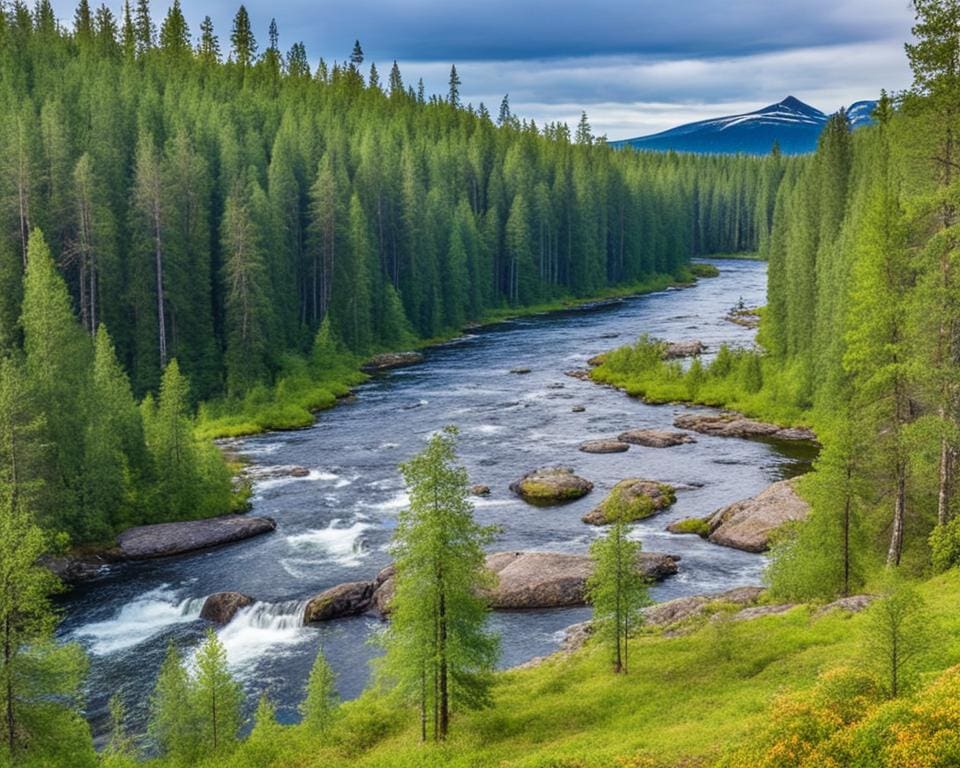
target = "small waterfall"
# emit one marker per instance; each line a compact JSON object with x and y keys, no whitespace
{"x":191,"y":607}
{"x":264,"y":628}
{"x":139,"y":620}
{"x":273,"y":616}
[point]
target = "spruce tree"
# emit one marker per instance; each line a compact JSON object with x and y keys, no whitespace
{"x":454,"y":92}
{"x":58,"y":356}
{"x":242,"y":39}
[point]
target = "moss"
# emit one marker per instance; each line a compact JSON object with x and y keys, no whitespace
{"x":534,"y":489}
{"x":623,"y":506}
{"x":697,"y":525}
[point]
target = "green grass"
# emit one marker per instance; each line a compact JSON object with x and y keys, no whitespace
{"x":704,"y":270}
{"x":687,"y":700}
{"x":650,"y":285}
{"x":697,"y":525}
{"x":290,"y":404}
{"x":742,"y":380}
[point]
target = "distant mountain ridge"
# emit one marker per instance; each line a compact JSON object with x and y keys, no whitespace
{"x":796,"y":126}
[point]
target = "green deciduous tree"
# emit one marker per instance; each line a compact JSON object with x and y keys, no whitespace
{"x":319,"y":707}
{"x":217,"y":698}
{"x":897,"y":635}
{"x":617,"y":590}
{"x":40,"y":680}
{"x":439,"y":653}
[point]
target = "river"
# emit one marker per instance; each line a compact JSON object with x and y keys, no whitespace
{"x":334,"y":525}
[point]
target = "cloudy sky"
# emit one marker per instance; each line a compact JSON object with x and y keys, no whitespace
{"x":635,"y":66}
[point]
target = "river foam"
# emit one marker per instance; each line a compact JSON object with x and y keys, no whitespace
{"x":139,"y":620}
{"x":263,"y":627}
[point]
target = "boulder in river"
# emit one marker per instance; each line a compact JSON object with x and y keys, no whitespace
{"x":162,"y":539}
{"x":348,"y":599}
{"x":521,"y":370}
{"x":674,"y":350}
{"x":221,"y":607}
{"x":81,"y":566}
{"x":578,"y":409}
{"x":732,"y":424}
{"x":528,"y":580}
{"x":551,"y":485}
{"x":604,"y":446}
{"x":274,"y":472}
{"x":389,"y":360}
{"x":632,"y":499}
{"x":555,"y":579}
{"x":480,"y":490}
{"x":749,"y":524}
{"x":581,"y":374}
{"x":655,"y":438}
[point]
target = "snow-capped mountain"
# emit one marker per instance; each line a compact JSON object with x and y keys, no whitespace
{"x":794,"y":125}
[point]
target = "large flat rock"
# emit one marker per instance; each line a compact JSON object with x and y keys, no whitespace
{"x":555,"y":579}
{"x":163,"y":539}
{"x":655,"y":438}
{"x":388,"y":360}
{"x":528,"y":580}
{"x":683,"y":608}
{"x":750,"y":523}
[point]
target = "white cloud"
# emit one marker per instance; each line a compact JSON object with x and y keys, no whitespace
{"x":627,"y":96}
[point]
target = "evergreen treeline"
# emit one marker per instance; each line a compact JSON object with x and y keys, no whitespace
{"x":217,"y":211}
{"x":864,"y":311}
{"x":861,"y":333}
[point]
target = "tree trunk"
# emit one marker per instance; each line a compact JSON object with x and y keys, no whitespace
{"x":846,"y":539}
{"x":161,"y":318}
{"x":945,"y":484}
{"x":444,"y":692}
{"x":899,"y":511}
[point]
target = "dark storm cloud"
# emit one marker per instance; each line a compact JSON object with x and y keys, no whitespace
{"x":534,"y":29}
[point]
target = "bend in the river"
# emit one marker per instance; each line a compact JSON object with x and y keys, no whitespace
{"x":334,"y":525}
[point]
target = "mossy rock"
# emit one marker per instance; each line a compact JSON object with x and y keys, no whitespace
{"x":551,"y":485}
{"x":697,"y":525}
{"x":630,"y":500}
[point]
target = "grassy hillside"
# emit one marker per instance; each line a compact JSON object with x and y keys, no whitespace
{"x":691,"y":699}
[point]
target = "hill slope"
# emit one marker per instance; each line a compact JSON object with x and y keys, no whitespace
{"x":791,"y":122}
